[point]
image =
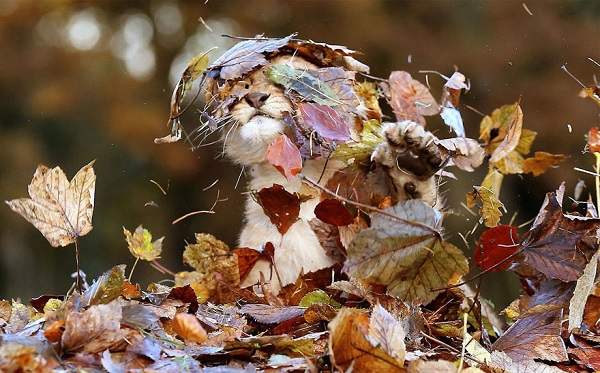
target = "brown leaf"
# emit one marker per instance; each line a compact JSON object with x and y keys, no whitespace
{"x":593,"y":142}
{"x":541,"y":162}
{"x":247,"y":257}
{"x":285,"y":156}
{"x":556,"y":243}
{"x":349,"y":346}
{"x":325,"y":120}
{"x":587,"y":356}
{"x":59,"y":209}
{"x":188,"y":327}
{"x":281,"y":206}
{"x":583,"y":289}
{"x":332,"y":211}
{"x":534,"y":337}
{"x":410,"y":99}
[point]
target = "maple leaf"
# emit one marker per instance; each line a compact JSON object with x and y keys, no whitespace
{"x":326,"y":121}
{"x":490,"y":208}
{"x":541,"y":162}
{"x":494,"y":247}
{"x":557,"y":244}
{"x":140,"y":244}
{"x":285,"y":156}
{"x":60,"y":209}
{"x":410,"y":99}
{"x":407,"y":255}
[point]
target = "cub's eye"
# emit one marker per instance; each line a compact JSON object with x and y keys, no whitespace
{"x":256,"y":99}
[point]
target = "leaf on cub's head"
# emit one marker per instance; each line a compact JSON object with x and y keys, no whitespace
{"x":140,"y":244}
{"x":281,"y":206}
{"x":285,"y":156}
{"x":305,"y":84}
{"x":560,"y":245}
{"x":490,"y":205}
{"x":327,"y":122}
{"x":410,"y":99}
{"x":494,"y":247}
{"x":332,"y":211}
{"x":60,"y":209}
{"x":541,"y":162}
{"x":407,"y":254}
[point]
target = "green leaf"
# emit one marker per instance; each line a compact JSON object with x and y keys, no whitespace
{"x":318,"y":297}
{"x":301,"y":81}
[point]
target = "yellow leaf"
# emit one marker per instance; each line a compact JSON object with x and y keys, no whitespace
{"x":140,"y":244}
{"x":490,"y":209}
{"x":59,"y":209}
{"x":541,"y":162}
{"x":492,"y":181}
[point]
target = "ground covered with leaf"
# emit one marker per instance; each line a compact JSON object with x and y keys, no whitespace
{"x":396,"y":301}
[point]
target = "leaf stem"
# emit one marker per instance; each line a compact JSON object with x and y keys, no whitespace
{"x":78,"y":279}
{"x":132,"y":268}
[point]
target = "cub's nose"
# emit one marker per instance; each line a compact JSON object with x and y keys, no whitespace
{"x":256,"y":99}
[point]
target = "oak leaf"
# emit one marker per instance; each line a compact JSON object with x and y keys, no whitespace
{"x":490,"y":207}
{"x":60,"y":209}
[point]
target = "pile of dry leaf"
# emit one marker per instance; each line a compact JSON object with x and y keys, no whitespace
{"x":395,"y":304}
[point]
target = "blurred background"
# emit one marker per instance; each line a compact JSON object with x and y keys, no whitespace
{"x":84,"y":80}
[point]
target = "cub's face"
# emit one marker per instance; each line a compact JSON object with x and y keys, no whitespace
{"x":256,"y":120}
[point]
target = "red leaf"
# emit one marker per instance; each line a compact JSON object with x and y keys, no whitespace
{"x":332,"y":211}
{"x":326,"y":121}
{"x":285,"y":156}
{"x":281,"y":206}
{"x":494,"y":246}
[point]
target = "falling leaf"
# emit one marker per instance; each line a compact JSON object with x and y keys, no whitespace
{"x":453,"y":119}
{"x":350,"y":348}
{"x":509,"y":143}
{"x":592,"y":92}
{"x":326,"y":121}
{"x":106,"y":288}
{"x":410,"y":99}
{"x":490,"y":207}
{"x":140,"y":244}
{"x":245,"y":56}
{"x":494,"y":247}
{"x":534,"y":337}
{"x":305,"y":84}
{"x":285,"y":156}
{"x":408,"y":255}
{"x":281,"y":206}
{"x":188,"y":327}
{"x":593,"y":142}
{"x":541,"y":162}
{"x":332,"y":211}
{"x":59,"y":209}
{"x":583,"y":289}
{"x":493,"y":181}
{"x":358,"y":154}
{"x":466,"y":153}
{"x":556,"y":244}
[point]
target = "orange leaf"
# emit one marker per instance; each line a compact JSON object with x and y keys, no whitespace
{"x":594,"y":140}
{"x":188,"y":327}
{"x":542,"y":161}
{"x":285,"y":156}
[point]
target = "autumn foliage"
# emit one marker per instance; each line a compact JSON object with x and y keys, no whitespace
{"x":396,"y":301}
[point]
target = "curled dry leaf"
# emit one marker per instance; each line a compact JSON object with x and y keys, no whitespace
{"x":350,"y":347}
{"x":188,"y":327}
{"x":407,"y":254}
{"x":466,"y":153}
{"x":60,"y":209}
{"x":268,"y":314}
{"x":583,"y":289}
{"x":285,"y":156}
{"x":140,"y":244}
{"x":513,"y":135}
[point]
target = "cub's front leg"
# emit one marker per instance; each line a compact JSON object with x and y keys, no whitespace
{"x":411,"y":158}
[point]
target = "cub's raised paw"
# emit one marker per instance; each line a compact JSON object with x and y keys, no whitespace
{"x":411,"y":159}
{"x":409,"y":147}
